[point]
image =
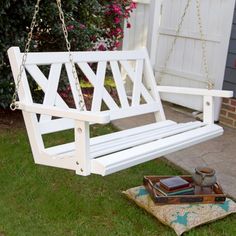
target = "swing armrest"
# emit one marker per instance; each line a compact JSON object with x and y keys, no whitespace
{"x":208,"y":101}
{"x":95,"y":117}
{"x":195,"y":91}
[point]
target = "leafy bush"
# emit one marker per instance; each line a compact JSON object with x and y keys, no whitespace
{"x":92,"y":25}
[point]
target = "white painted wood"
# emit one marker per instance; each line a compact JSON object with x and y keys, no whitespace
{"x":122,"y":140}
{"x":51,"y":91}
{"x":82,"y":148}
{"x":42,"y":81}
{"x":75,"y":91}
{"x":216,"y":20}
{"x":137,"y":83}
{"x":136,"y":36}
{"x":142,"y":1}
{"x":208,"y":110}
{"x":99,"y":88}
{"x":185,"y":66}
{"x":150,"y":82}
{"x":47,"y":58}
{"x":141,"y":138}
{"x":55,"y":125}
{"x":153,"y":28}
{"x":95,"y":82}
{"x":131,"y":74}
{"x":120,"y":135}
{"x":134,"y":111}
{"x":195,"y":91}
{"x":116,"y":151}
{"x":119,"y":84}
{"x":189,"y":35}
{"x":146,"y":152}
{"x":98,"y":117}
{"x":35,"y":138}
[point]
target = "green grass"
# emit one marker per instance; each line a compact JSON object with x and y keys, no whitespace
{"x":39,"y":200}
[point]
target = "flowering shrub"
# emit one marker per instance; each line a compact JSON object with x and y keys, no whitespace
{"x":114,"y":14}
{"x":92,"y":25}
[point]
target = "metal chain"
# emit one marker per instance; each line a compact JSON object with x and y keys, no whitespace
{"x":68,"y":46}
{"x":179,"y":27}
{"x":210,"y":84}
{"x":13,"y":104}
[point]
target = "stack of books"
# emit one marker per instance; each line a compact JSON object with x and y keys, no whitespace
{"x":174,"y":186}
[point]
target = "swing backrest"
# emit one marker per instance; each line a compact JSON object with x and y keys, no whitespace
{"x":120,"y":67}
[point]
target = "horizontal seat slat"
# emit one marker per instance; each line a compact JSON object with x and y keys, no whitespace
{"x":130,"y":132}
{"x":64,"y":148}
{"x":141,"y":138}
{"x":120,"y":160}
{"x":118,"y":141}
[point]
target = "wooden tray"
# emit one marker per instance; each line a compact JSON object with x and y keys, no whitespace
{"x":215,"y":196}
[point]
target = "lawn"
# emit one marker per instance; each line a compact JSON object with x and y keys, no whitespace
{"x":38,"y":200}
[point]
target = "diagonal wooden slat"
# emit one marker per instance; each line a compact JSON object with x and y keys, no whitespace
{"x":42,"y":81}
{"x":148,"y":98}
{"x":98,"y":90}
{"x":119,"y":84}
{"x":51,"y":91}
{"x":74,"y":90}
{"x":88,"y":72}
{"x":137,"y":83}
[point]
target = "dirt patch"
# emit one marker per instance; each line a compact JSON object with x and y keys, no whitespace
{"x":10,"y":119}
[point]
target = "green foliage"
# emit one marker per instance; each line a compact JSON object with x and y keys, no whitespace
{"x":90,"y":24}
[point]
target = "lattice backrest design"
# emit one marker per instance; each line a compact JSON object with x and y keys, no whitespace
{"x":107,"y":73}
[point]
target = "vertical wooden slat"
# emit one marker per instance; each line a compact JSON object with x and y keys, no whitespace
{"x":137,"y":83}
{"x":82,"y":150}
{"x":99,"y":88}
{"x":208,"y":110}
{"x":31,"y":122}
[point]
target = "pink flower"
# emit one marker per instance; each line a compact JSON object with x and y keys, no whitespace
{"x":116,"y":9}
{"x":119,"y":31}
{"x":117,"y":44}
{"x":128,"y":25}
{"x":117,"y":20}
{"x":70,"y":27}
{"x":82,"y":26}
{"x":101,"y":47}
{"x":133,"y":5}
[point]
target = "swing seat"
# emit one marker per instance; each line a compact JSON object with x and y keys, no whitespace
{"x":113,"y":152}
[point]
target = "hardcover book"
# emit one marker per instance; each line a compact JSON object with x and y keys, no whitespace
{"x":184,"y":191}
{"x":174,"y":183}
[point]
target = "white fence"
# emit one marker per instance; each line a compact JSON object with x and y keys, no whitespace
{"x":136,"y":36}
{"x":154,"y":25}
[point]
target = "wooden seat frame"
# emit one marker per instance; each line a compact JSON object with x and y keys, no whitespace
{"x":112,"y":152}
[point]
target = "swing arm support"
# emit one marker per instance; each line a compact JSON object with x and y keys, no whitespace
{"x":208,"y":98}
{"x":94,"y":117}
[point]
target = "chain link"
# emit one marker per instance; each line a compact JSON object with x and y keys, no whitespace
{"x":68,"y":46}
{"x":210,"y":84}
{"x":13,"y":104}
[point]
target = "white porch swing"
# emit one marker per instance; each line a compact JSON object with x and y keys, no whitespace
{"x":109,"y":153}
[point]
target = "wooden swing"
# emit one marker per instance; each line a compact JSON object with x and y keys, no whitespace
{"x":109,"y":153}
